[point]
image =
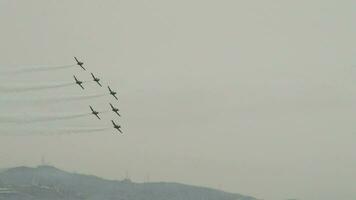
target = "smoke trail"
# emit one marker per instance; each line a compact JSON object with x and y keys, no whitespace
{"x":9,"y":89}
{"x":55,"y":118}
{"x":84,"y":130}
{"x":74,"y":98}
{"x":22,"y":120}
{"x":54,"y":100}
{"x":38,"y":69}
{"x":65,"y":131}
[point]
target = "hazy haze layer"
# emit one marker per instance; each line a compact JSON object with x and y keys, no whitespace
{"x":255,"y":97}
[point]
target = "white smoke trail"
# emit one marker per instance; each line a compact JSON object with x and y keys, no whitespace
{"x":28,"y":119}
{"x":39,"y":69}
{"x":24,"y":88}
{"x":60,"y":131}
{"x":21,"y":70}
{"x":72,"y":98}
{"x":84,"y":130}
{"x":53,"y":100}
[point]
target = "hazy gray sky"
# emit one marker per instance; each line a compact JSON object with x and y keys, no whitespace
{"x":254,"y":97}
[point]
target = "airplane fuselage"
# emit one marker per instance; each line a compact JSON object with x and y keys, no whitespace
{"x":79,"y":63}
{"x":118,"y":128}
{"x":94,"y":112}
{"x":115,"y":110}
{"x":113,"y":93}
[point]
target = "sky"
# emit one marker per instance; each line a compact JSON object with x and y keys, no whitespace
{"x":252,"y":97}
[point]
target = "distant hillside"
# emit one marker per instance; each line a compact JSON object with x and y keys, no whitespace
{"x":49,"y":183}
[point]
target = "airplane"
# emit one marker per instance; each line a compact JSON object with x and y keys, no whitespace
{"x":113,"y":93}
{"x":117,"y":127}
{"x":115,"y":110}
{"x":78,"y":82}
{"x":96,"y":79}
{"x":96,"y":113}
{"x":79,"y":63}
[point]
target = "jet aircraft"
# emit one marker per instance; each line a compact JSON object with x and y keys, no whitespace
{"x":117,"y":127}
{"x":96,"y":79}
{"x":94,"y":112}
{"x":115,"y":110}
{"x":79,"y":63}
{"x":113,"y":93}
{"x":78,"y":82}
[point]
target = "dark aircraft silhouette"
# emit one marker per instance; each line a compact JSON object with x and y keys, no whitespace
{"x":115,"y":110}
{"x":96,"y":113}
{"x":78,"y":82}
{"x":113,"y":93}
{"x":79,"y":63}
{"x":117,"y":127}
{"x":96,"y":79}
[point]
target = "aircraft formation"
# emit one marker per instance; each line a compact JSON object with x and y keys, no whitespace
{"x":14,"y":89}
{"x":110,"y":92}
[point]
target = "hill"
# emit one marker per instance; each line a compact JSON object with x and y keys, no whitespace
{"x":49,"y":183}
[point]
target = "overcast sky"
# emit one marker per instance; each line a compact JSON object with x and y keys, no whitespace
{"x":253,"y":97}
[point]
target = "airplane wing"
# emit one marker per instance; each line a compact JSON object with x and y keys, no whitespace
{"x":81,"y":86}
{"x":91,"y":108}
{"x":97,"y":116}
{"x":75,"y":78}
{"x":112,"y":107}
{"x":113,"y":122}
{"x":119,"y":130}
{"x":92,"y":75}
{"x":99,"y":84}
{"x":115,"y":97}
{"x":118,"y":114}
{"x":76,"y":59}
